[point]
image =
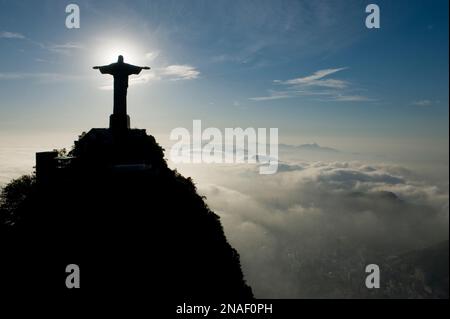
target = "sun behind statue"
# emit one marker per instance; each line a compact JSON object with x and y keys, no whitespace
{"x":120,"y":120}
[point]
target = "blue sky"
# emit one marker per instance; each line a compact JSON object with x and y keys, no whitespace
{"x":307,"y":67}
{"x":310,"y":68}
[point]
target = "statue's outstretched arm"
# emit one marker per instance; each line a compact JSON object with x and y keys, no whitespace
{"x":104,"y":69}
{"x":133,"y":69}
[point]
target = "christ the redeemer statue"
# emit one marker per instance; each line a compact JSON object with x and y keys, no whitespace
{"x":120,"y":120}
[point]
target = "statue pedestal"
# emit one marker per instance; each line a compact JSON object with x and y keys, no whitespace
{"x":118,"y":122}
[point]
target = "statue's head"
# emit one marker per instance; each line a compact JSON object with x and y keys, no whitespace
{"x":120,"y":59}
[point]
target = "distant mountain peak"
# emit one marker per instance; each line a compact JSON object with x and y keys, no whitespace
{"x":309,"y":147}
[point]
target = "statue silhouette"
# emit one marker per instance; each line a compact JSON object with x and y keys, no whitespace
{"x":119,"y":120}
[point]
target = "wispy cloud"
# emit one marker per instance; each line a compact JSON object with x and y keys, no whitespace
{"x":314,"y":79}
{"x":424,"y":102}
{"x":38,"y":76}
{"x":11,"y":35}
{"x":273,"y":95}
{"x":63,"y":48}
{"x":150,"y":56}
{"x":180,"y":72}
{"x":352,"y":98}
{"x":316,"y":84}
{"x":60,"y":48}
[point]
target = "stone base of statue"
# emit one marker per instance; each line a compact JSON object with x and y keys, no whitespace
{"x":119,"y":122}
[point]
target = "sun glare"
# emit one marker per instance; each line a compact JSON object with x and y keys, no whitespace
{"x":108,"y":52}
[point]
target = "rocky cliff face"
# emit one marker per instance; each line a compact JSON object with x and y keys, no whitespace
{"x":114,"y":208}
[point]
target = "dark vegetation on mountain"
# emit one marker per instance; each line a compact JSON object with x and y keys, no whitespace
{"x":114,"y":208}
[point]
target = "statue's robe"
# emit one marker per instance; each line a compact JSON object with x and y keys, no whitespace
{"x":120,"y":72}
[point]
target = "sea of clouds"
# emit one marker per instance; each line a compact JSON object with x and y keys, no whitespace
{"x":310,"y":230}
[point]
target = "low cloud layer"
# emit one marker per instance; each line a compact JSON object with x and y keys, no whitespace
{"x":309,"y":230}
